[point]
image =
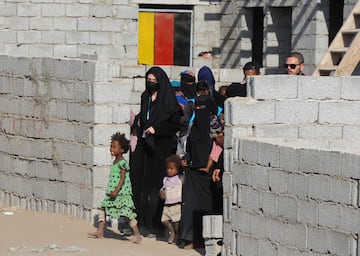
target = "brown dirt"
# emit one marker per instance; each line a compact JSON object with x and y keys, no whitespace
{"x":28,"y":233}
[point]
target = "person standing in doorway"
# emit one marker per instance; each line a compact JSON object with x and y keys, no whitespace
{"x":294,"y":64}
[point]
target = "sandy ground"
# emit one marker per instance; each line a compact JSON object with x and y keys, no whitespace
{"x":30,"y":233}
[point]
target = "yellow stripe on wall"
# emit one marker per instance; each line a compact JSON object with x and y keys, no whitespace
{"x":146,"y":38}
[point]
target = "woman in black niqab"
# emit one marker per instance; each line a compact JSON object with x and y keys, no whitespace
{"x":159,"y":120}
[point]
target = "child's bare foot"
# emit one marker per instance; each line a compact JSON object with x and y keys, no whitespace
{"x":136,"y":239}
{"x":171,"y":238}
{"x":189,"y":246}
{"x":96,"y":234}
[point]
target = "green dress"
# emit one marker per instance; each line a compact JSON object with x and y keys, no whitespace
{"x":123,"y":204}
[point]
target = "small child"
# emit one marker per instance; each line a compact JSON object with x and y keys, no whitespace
{"x":171,"y":193}
{"x":118,"y":200}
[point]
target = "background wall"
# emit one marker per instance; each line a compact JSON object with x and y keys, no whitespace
{"x":292,"y":177}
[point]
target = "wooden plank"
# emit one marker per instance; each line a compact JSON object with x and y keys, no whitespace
{"x":350,"y":59}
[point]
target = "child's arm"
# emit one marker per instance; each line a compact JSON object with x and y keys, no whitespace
{"x":114,"y":193}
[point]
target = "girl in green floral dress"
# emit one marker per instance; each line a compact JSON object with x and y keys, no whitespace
{"x":118,"y":200}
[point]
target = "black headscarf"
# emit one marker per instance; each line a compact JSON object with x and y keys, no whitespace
{"x":165,"y":104}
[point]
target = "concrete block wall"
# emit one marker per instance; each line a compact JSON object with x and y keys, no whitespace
{"x":57,"y":117}
{"x":302,"y":27}
{"x":71,"y":29}
{"x":291,"y":180}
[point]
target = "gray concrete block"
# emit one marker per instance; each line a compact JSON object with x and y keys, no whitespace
{"x":258,"y":177}
{"x":321,"y":132}
{"x":258,"y":225}
{"x":308,"y":88}
{"x":249,"y":151}
{"x":269,"y":204}
{"x":319,"y":187}
{"x":276,"y":131}
{"x":289,"y":158}
{"x":241,"y":173}
{"x":296,"y":235}
{"x":287,"y":207}
{"x":329,"y":215}
{"x":343,"y":191}
{"x":250,"y":198}
{"x":298,"y":184}
{"x":242,"y":111}
{"x":269,"y":155}
{"x":349,"y":219}
{"x":243,"y":221}
{"x":211,"y":247}
{"x":296,"y":112}
{"x":278,"y":181}
{"x":336,"y":112}
{"x":309,"y":160}
{"x":329,"y":163}
{"x":308,"y":212}
{"x":350,"y":89}
{"x":212,"y":226}
{"x":350,"y":165}
{"x":273,"y":87}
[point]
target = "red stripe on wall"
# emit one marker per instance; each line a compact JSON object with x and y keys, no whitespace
{"x":164,"y":39}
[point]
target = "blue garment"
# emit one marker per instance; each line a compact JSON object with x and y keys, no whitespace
{"x":205,"y":74}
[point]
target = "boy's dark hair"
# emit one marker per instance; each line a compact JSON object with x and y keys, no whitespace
{"x":202,"y":86}
{"x":252,"y":65}
{"x":122,"y":140}
{"x":176,"y":160}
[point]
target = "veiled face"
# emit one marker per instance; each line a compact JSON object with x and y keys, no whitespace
{"x":151,"y":78}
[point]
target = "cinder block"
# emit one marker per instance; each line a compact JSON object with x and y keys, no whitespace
{"x":296,"y":112}
{"x":212,"y":226}
{"x":296,"y":236}
{"x":269,"y":204}
{"x":330,"y":162}
{"x":28,"y":9}
{"x":309,"y":160}
{"x":53,"y":10}
{"x":289,"y":158}
{"x":276,"y":131}
{"x":258,"y":177}
{"x":73,"y":37}
{"x":273,"y":87}
{"x":269,"y":155}
{"x":89,"y":24}
{"x":320,"y":132}
{"x":320,"y":88}
{"x":329,"y":215}
{"x":319,"y":187}
{"x":278,"y":181}
{"x":249,"y":151}
{"x":343,"y":191}
{"x":287,"y":207}
{"x":212,"y":248}
{"x":349,"y":165}
{"x":100,"y":38}
{"x":298,"y":184}
{"x":77,"y":10}
{"x":242,"y":111}
{"x":338,"y":112}
{"x":350,"y":89}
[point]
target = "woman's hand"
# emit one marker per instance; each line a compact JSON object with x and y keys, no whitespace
{"x":216,"y":175}
{"x":150,"y":130}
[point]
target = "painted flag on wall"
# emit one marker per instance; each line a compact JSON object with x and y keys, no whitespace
{"x":164,"y":38}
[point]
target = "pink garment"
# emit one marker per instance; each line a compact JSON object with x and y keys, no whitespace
{"x":173,"y":187}
{"x":215,"y":152}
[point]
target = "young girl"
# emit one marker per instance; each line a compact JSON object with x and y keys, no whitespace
{"x":118,"y":199}
{"x":171,"y":193}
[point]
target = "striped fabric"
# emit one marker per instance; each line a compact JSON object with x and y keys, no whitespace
{"x":164,"y":38}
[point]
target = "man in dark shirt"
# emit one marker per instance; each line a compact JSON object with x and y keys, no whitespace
{"x":239,"y":89}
